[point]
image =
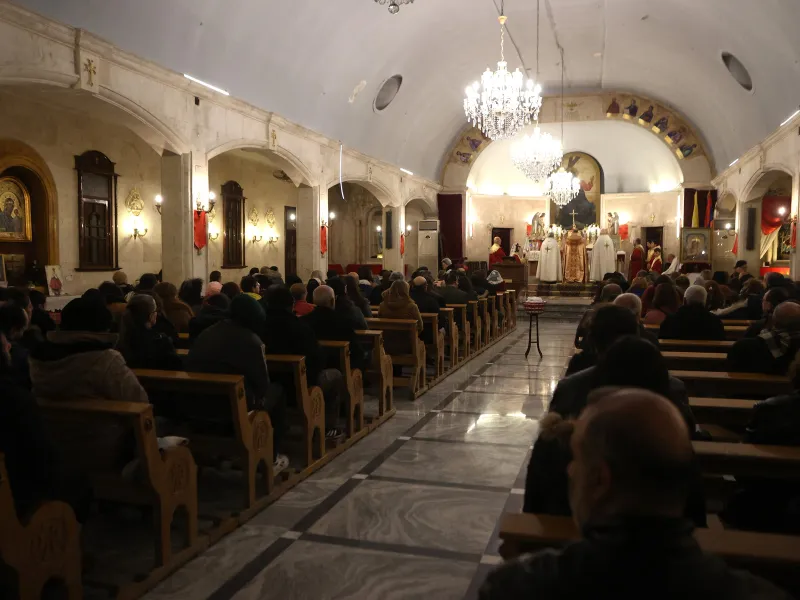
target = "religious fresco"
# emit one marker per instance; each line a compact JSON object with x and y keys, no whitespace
{"x":468,"y":146}
{"x":658,"y":119}
{"x":587,"y":202}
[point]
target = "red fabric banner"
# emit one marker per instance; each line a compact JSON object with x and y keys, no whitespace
{"x":200,"y":233}
{"x":771,"y":218}
{"x":323,"y":240}
{"x":623,"y":232}
{"x":707,"y":219}
{"x":735,"y":248}
{"x":402,"y":244}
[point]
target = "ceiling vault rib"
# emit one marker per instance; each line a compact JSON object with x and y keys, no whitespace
{"x":605,"y":43}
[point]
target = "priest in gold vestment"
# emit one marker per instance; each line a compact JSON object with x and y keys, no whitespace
{"x":574,"y":257}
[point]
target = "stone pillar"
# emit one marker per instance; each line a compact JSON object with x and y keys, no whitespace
{"x":794,"y":262}
{"x":176,"y":217}
{"x":391,"y":256}
{"x":312,"y":209}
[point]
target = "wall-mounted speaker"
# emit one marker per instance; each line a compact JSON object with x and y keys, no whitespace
{"x":389,"y":234}
{"x":750,"y":237}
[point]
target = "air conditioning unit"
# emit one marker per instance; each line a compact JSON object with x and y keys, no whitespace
{"x":428,"y":244}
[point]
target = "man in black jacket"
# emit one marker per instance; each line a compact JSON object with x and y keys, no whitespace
{"x":328,"y":325}
{"x":692,"y":321}
{"x":630,"y":476}
{"x":425,"y":302}
{"x":773,"y":297}
{"x":284,"y":333}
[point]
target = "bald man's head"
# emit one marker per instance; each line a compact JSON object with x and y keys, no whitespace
{"x":631,"y":456}
{"x":324,"y":296}
{"x":787,"y":316}
{"x":610,"y":292}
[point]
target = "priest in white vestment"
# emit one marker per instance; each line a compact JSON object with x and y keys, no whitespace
{"x":549,"y":268}
{"x":604,"y":257}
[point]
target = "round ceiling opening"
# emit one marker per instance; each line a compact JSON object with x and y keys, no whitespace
{"x":387,"y":92}
{"x":737,"y":71}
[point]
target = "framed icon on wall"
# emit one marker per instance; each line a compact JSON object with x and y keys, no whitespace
{"x":15,"y":211}
{"x":696,"y":245}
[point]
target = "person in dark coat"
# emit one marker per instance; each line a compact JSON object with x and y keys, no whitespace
{"x":420,"y":294}
{"x":772,"y":298}
{"x":774,"y":349}
{"x":213,"y":310}
{"x":376,"y":293}
{"x":285,"y":333}
{"x":327,"y":324}
{"x":692,"y":321}
{"x":631,"y":473}
{"x":40,"y":318}
{"x":234,"y":346}
{"x":140,"y":345}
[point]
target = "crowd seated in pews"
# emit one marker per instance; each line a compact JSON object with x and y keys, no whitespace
{"x":631,"y":472}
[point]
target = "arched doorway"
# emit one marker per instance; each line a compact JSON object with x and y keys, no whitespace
{"x":418,"y":210}
{"x":355,"y":226}
{"x":765,"y":241}
{"x":270,"y":186}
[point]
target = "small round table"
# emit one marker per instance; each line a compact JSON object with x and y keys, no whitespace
{"x":534,"y":308}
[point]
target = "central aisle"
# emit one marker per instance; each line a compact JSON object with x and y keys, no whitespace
{"x":409,"y":512}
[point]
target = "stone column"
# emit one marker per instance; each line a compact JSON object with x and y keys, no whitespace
{"x":312,"y":209}
{"x":794,"y":262}
{"x":391,"y":256}
{"x":176,"y":217}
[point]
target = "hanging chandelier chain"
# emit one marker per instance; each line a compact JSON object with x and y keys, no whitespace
{"x":502,"y":40}
{"x":538,"y":35}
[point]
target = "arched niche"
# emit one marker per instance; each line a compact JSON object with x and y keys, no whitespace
{"x":774,"y":182}
{"x":277,"y":158}
{"x":353,"y":236}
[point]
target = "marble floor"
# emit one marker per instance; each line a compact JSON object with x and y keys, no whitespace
{"x":410,"y":511}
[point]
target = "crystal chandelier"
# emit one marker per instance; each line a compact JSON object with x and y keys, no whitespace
{"x":562,"y":187}
{"x":537,"y":155}
{"x":501,"y":105}
{"x":394,"y":5}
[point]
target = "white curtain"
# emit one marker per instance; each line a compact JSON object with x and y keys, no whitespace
{"x":767,"y":241}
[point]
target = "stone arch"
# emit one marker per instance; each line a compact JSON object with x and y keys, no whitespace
{"x":758,"y":184}
{"x":377,"y":189}
{"x":429,"y":202}
{"x":15,"y":153}
{"x":297,"y":171}
{"x":138,"y":117}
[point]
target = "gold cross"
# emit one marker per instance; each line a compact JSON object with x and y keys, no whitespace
{"x":91,"y":70}
{"x":573,"y":213}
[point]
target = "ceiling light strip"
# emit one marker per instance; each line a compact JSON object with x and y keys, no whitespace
{"x":208,"y":85}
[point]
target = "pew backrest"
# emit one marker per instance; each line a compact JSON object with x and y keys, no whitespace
{"x":399,"y":335}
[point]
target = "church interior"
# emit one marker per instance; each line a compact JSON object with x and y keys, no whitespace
{"x":520,"y":163}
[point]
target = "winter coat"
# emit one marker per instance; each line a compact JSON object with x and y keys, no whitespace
{"x":395,"y":306}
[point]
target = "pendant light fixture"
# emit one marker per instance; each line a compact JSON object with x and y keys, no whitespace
{"x":562,"y":186}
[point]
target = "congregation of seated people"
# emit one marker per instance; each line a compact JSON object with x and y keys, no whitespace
{"x":614,"y":450}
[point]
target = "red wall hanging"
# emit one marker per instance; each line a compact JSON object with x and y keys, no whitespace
{"x":200,"y":235}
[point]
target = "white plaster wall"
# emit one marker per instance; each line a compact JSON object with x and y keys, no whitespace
{"x":348,"y":234}
{"x":262,"y":191}
{"x":632,"y":159}
{"x":499,"y":211}
{"x":646,"y":210}
{"x":58,"y":136}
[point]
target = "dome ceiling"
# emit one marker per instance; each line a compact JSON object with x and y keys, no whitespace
{"x":307,"y":59}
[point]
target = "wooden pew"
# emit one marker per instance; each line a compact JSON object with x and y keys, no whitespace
{"x":724,"y":384}
{"x":732,"y":332}
{"x":183,"y":341}
{"x":512,"y":306}
{"x":739,"y":322}
{"x":402,"y":343}
{"x":774,"y":557}
{"x":486,"y":320}
{"x":44,"y":546}
{"x":355,"y":383}
{"x":165,"y":479}
{"x":696,"y":361}
{"x":451,"y":336}
{"x":721,"y":347}
{"x":436,"y":349}
{"x":464,"y":330}
{"x":380,"y":367}
{"x":748,"y":460}
{"x":309,"y":409}
{"x":730,"y":413}
{"x":491,"y":302}
{"x":195,"y":395}
{"x":476,"y":326}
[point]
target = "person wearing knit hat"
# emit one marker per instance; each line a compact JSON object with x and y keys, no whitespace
{"x":120,"y":278}
{"x":446,"y":264}
{"x":213,"y":288}
{"x":396,"y":276}
{"x":234,"y":346}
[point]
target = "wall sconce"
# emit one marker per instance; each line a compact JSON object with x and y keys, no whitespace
{"x":273,"y":239}
{"x":332,"y":216}
{"x":159,"y":202}
{"x":257,"y":238}
{"x":292,"y":217}
{"x":212,"y":200}
{"x":213,"y":235}
{"x":409,"y":228}
{"x":138,"y":230}
{"x":378,"y":228}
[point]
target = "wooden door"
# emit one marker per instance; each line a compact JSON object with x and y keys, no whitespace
{"x":290,"y":260}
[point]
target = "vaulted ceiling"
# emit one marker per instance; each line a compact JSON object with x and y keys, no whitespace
{"x":304,"y":58}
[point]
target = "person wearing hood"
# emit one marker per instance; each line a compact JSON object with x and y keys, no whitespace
{"x":397,"y":304}
{"x":214,"y":309}
{"x":141,"y":345}
{"x":177,"y":311}
{"x":79,"y":360}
